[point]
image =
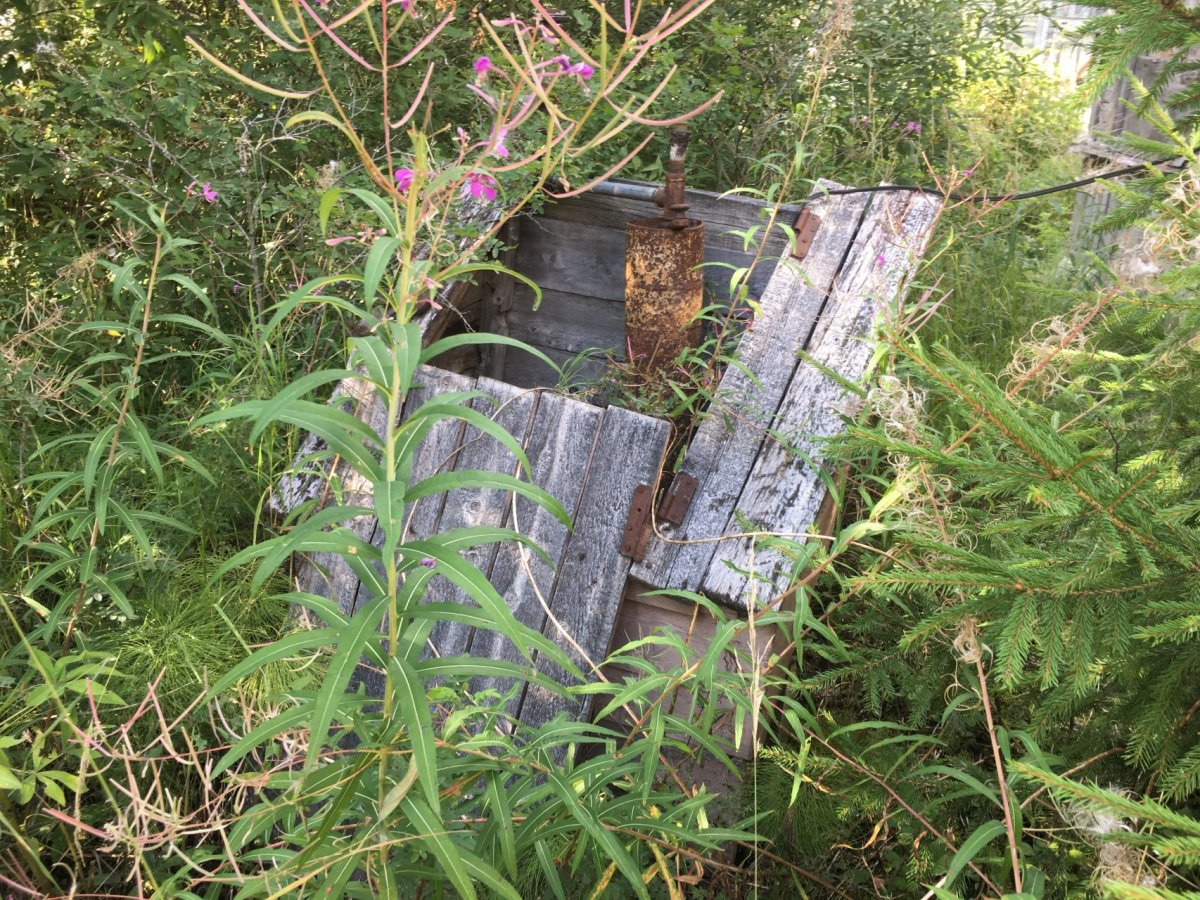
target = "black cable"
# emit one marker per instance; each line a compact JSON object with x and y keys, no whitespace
{"x":987,"y":198}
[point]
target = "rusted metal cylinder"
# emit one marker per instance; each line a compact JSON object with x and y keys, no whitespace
{"x":664,"y":289}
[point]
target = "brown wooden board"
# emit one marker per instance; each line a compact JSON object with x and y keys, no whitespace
{"x":727,"y":442}
{"x":785,"y":488}
{"x":559,"y":445}
{"x":629,"y":451}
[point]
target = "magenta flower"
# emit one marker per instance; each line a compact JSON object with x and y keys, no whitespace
{"x":498,"y":147}
{"x":564,"y":63}
{"x":967,"y":173}
{"x":482,"y":65}
{"x":208,"y":192}
{"x":913,"y":127}
{"x":583,"y":70}
{"x":480,"y":185}
{"x":404,"y":179}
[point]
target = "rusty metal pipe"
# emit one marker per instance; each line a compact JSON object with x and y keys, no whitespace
{"x":664,"y":286}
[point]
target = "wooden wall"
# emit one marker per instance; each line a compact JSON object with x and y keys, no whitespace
{"x":575,"y":252}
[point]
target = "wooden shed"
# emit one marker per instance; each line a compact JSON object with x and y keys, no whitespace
{"x":644,"y":522}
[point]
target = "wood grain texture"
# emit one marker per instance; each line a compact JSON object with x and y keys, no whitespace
{"x":524,"y":370}
{"x":785,"y":488}
{"x":567,"y":322}
{"x":559,"y":444}
{"x":511,"y":408}
{"x":727,"y":442}
{"x":591,"y":577}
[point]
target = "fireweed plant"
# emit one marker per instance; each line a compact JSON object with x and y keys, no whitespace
{"x":431,"y":782}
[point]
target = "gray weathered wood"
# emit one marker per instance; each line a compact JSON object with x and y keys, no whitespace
{"x":511,"y":408}
{"x":567,"y":322}
{"x":785,"y":488}
{"x":573,"y":257}
{"x":591,"y":578}
{"x":436,"y":453}
{"x":726,"y":443}
{"x":525,"y":370}
{"x":497,"y":303}
{"x":559,"y":446}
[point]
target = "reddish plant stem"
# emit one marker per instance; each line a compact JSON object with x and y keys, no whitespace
{"x":1009,"y":829}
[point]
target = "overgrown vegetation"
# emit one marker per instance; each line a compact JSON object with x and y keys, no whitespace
{"x":994,"y":691}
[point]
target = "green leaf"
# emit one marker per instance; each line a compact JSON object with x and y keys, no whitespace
{"x":265,"y":731}
{"x":191,"y":322}
{"x":294,"y":391}
{"x":980,"y":838}
{"x":414,"y":708}
{"x":489,"y":876}
{"x":284,"y":648}
{"x":351,"y":641}
{"x":329,"y":200}
{"x":608,"y":843}
{"x":91,"y":464}
{"x":198,"y":292}
{"x":312,"y":115}
{"x":482,"y":337}
{"x":380,"y":257}
{"x":142,"y":438}
{"x":336,"y":428}
{"x":383,"y":209}
{"x":432,"y":831}
{"x":501,"y":819}
{"x":305,"y":294}
{"x":473,"y":479}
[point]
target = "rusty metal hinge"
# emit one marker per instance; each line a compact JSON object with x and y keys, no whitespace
{"x":637,"y":525}
{"x":806,"y":227}
{"x":679,"y":498}
{"x":674,"y":507}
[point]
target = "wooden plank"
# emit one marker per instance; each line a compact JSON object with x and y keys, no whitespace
{"x":435,"y":454}
{"x":725,"y":219}
{"x":526,"y":371}
{"x":512,"y":409}
{"x":497,"y":302}
{"x":591,"y":578}
{"x":567,"y":322}
{"x":642,"y":614}
{"x":724,"y":213}
{"x":785,"y":489}
{"x":578,"y":245}
{"x":573,"y":257}
{"x":559,"y":445}
{"x":726,"y":443}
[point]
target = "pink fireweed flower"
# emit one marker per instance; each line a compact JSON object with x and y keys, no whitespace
{"x":482,"y":65}
{"x":207,"y":191}
{"x":480,"y":185}
{"x":498,"y":147}
{"x":404,"y":179}
{"x":583,"y":70}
